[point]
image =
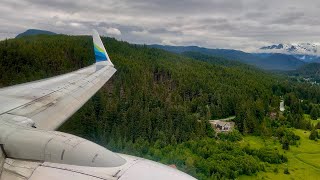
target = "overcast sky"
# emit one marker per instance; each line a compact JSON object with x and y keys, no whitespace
{"x":237,"y":24}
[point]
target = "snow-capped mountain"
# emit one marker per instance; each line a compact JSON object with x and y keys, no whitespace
{"x":301,"y":48}
{"x":308,"y":52}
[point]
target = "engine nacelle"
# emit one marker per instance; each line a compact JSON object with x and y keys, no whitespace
{"x":56,"y":147}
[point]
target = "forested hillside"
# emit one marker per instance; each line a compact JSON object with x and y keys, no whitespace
{"x":157,"y":104}
{"x":162,"y":91}
{"x":309,"y":72}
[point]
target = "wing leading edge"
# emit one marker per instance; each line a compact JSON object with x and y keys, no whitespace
{"x":50,"y":102}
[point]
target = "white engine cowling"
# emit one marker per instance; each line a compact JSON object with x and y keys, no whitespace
{"x":56,"y":147}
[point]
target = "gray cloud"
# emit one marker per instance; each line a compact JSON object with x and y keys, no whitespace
{"x":241,"y":24}
{"x":289,"y":18}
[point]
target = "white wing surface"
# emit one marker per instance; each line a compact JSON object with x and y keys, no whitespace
{"x":50,"y":102}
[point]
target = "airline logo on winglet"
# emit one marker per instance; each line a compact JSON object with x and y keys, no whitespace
{"x":101,"y":55}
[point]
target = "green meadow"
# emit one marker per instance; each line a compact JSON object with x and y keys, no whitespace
{"x":313,"y":122}
{"x":303,"y":159}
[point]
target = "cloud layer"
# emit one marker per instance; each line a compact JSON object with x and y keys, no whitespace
{"x":240,"y":24}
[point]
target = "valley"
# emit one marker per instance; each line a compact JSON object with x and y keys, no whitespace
{"x":303,"y":159}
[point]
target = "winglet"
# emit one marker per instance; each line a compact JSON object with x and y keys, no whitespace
{"x":101,"y":55}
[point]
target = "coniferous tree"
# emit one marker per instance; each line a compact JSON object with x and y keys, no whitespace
{"x":314,"y":135}
{"x":286,"y":144}
{"x":314,"y":113}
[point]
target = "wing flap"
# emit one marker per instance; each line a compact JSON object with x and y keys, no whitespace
{"x":8,"y":103}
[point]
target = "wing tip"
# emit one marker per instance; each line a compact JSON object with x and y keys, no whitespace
{"x":101,"y":55}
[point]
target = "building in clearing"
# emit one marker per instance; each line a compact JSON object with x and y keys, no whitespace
{"x":282,"y":106}
{"x":222,"y":126}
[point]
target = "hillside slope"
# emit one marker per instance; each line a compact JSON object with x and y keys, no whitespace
{"x":280,"y":62}
{"x":308,"y":73}
{"x":309,"y":70}
{"x":150,"y":86}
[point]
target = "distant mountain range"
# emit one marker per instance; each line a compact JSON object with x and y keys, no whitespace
{"x":307,"y":52}
{"x":268,"y":61}
{"x":301,"y":48}
{"x":31,"y":32}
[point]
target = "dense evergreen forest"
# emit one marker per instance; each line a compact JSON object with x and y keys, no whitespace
{"x":158,"y":104}
{"x":309,"y":73}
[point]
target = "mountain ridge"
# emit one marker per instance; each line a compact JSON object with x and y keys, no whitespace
{"x":32,"y":32}
{"x":267,"y":61}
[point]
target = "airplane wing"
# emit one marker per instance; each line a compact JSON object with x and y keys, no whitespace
{"x":31,"y":149}
{"x":48,"y":103}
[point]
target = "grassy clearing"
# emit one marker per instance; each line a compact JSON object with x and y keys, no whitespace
{"x":303,"y":161}
{"x":313,"y":122}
